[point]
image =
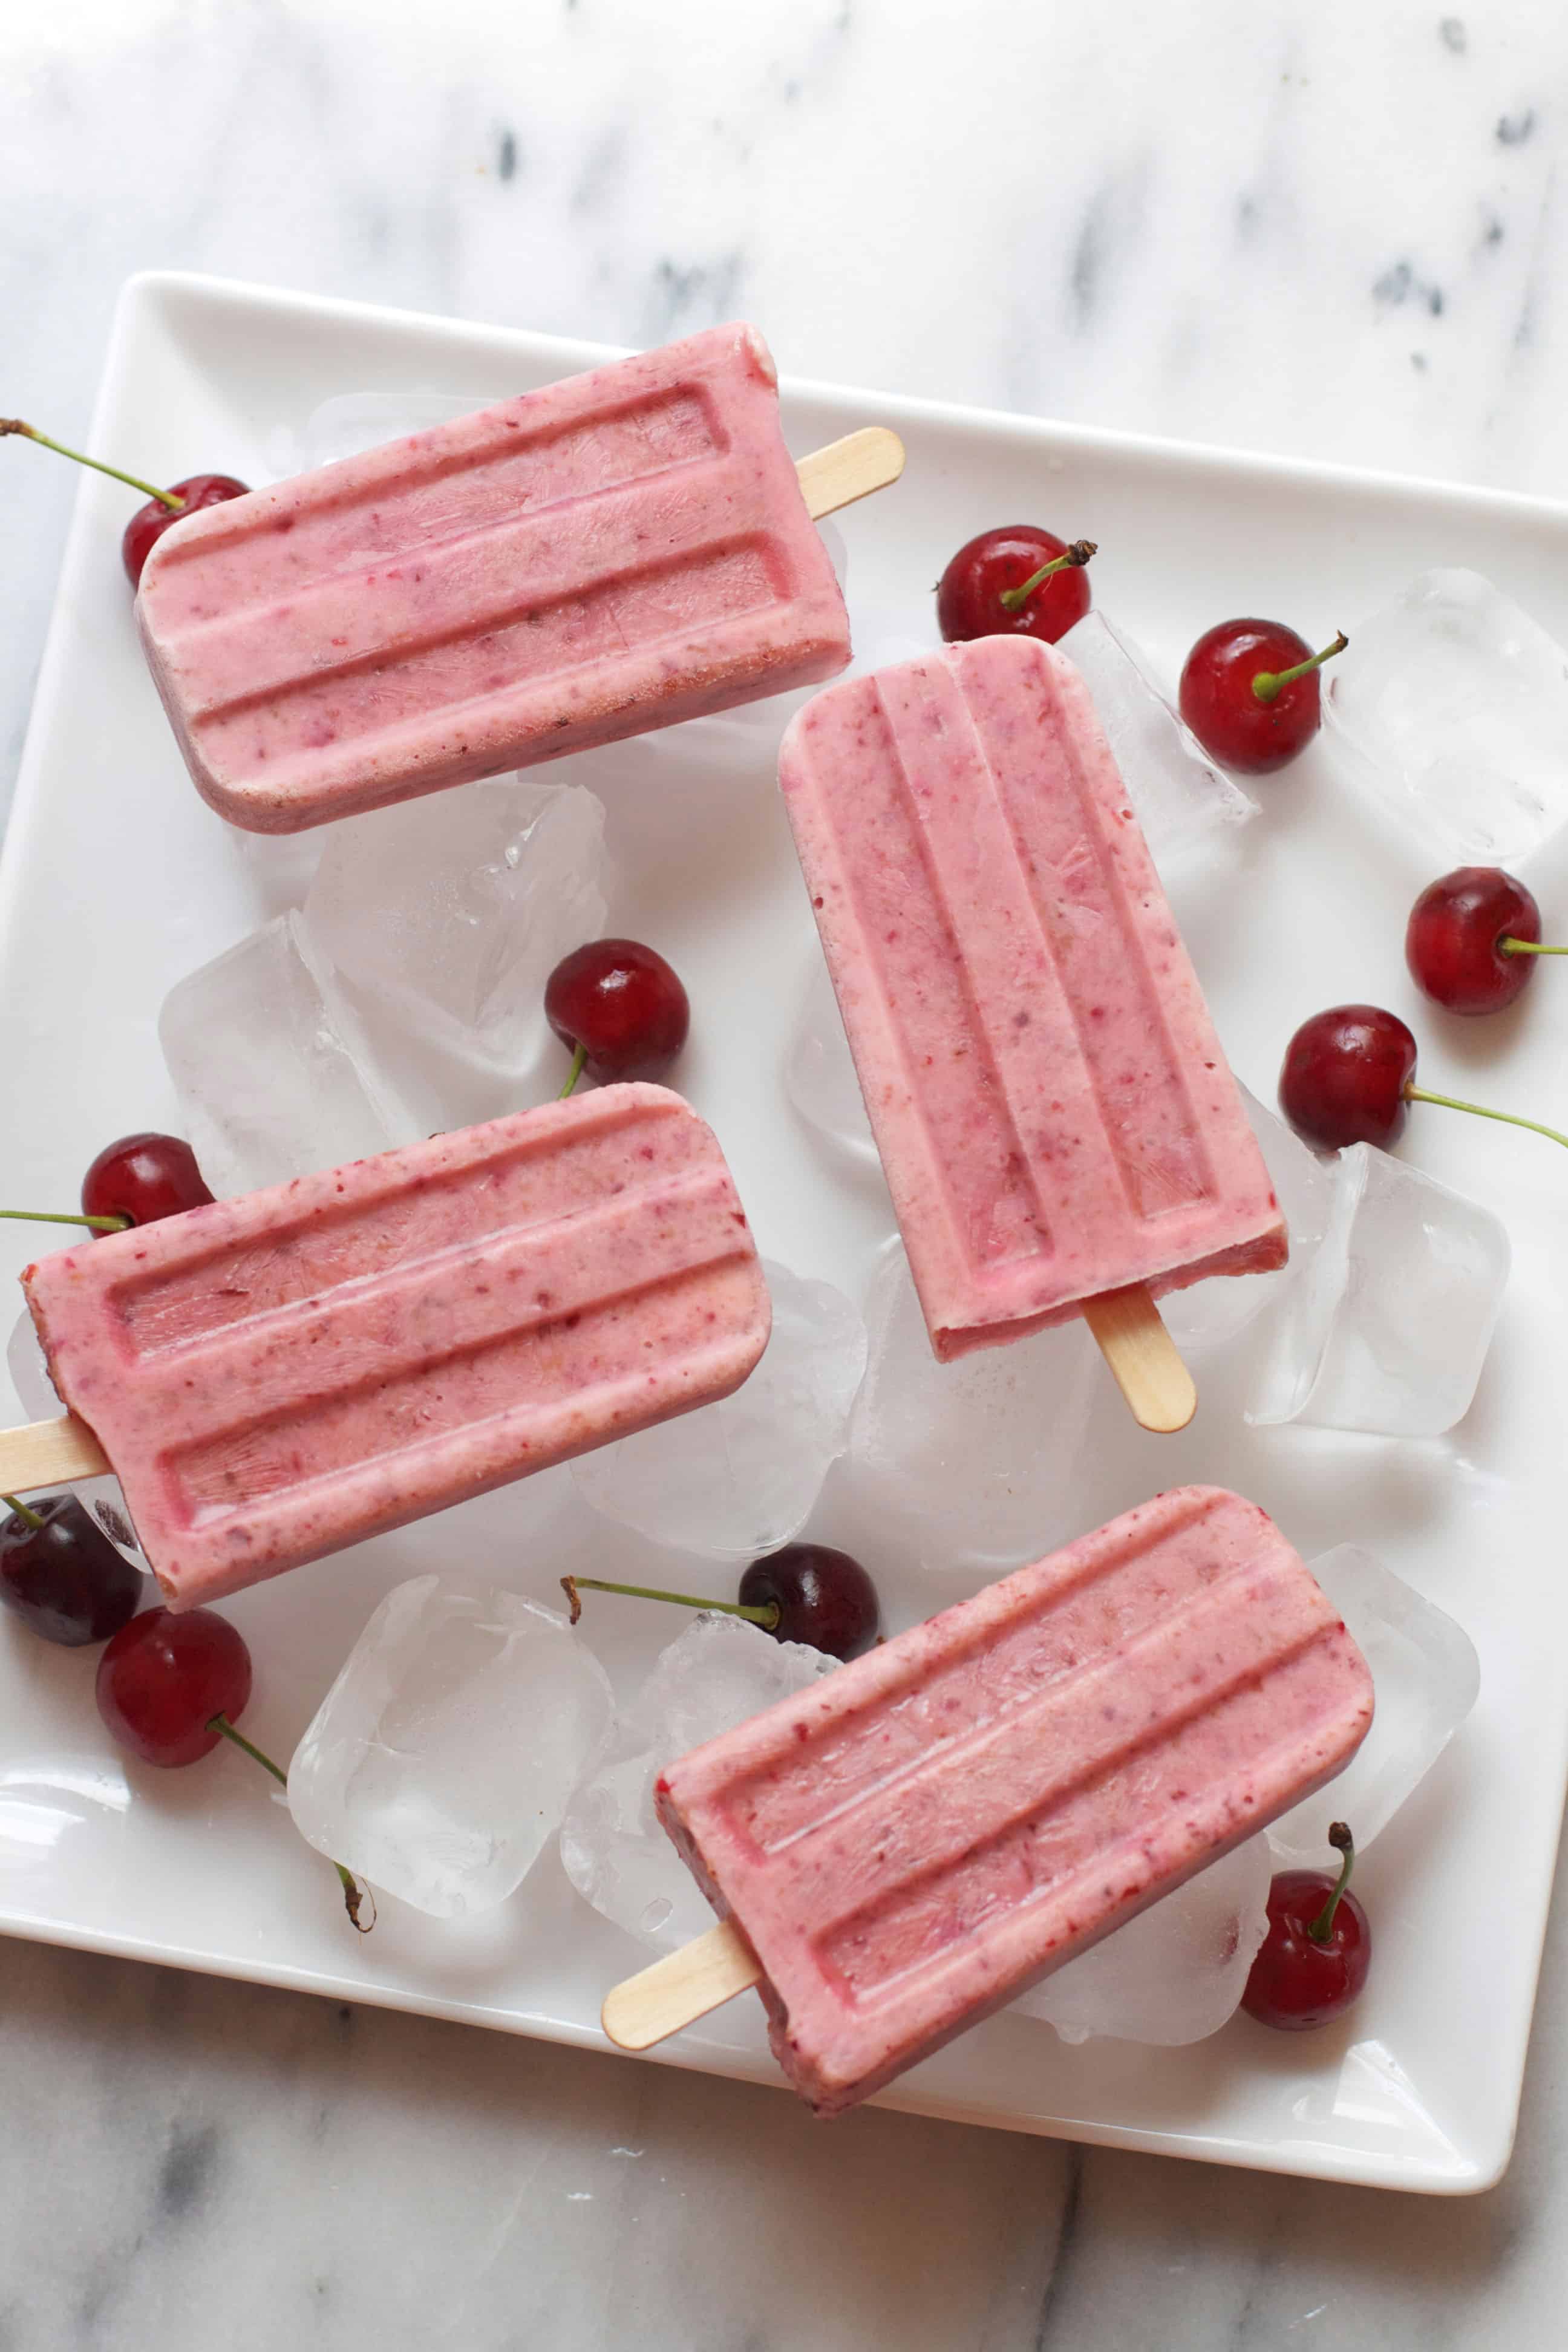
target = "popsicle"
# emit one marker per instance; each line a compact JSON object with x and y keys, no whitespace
{"x":903,"y":1847}
{"x":1060,"y":1129}
{"x":274,"y":1377}
{"x":612,"y":553}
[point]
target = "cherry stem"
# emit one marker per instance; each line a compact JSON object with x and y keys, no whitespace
{"x":764,"y":1613}
{"x":1071,"y":560}
{"x":28,"y":1519}
{"x":1527,"y":946}
{"x":578,"y":1060}
{"x":164,"y":498}
{"x":1268,"y":683}
{"x":1480,"y":1110}
{"x":1340,"y":1838}
{"x":355,"y":1895}
{"x":58,"y":1217}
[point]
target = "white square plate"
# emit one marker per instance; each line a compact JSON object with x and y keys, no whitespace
{"x":117,"y":880}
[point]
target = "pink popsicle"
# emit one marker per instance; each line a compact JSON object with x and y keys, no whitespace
{"x":608,"y":554}
{"x":1053,"y":1109}
{"x":911,"y":1842}
{"x":277,"y":1376}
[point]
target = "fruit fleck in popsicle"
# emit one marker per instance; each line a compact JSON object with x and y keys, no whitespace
{"x":1060,"y":1132}
{"x":612,"y":553}
{"x":274,"y":1377}
{"x":898,"y":1851}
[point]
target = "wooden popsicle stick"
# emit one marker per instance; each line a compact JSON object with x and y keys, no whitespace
{"x":48,"y":1453}
{"x":849,"y":469}
{"x":1143,"y":1358}
{"x":679,"y":1988}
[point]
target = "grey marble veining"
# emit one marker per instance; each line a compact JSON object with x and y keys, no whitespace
{"x":1332,"y":235}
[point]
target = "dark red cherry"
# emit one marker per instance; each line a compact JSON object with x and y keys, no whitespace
{"x":1345,"y":1074}
{"x":61,"y":1575}
{"x":1470,"y":939}
{"x":143,"y":1178}
{"x":823,"y":1596}
{"x":1249,"y":693}
{"x":162,"y":1678}
{"x":993,"y":586}
{"x":147,"y":524}
{"x":621,"y":1007}
{"x":1313,"y":1962}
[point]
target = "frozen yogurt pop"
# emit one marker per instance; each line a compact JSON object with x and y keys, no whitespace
{"x":1061,"y":1131}
{"x":608,"y":554}
{"x":900,"y":1850}
{"x":274,"y":1377}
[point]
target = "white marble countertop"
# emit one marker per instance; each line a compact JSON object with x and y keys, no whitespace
{"x":1333,"y":236}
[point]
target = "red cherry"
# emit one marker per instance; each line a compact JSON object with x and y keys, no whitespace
{"x":1249,"y":693}
{"x":1313,"y":1962}
{"x":619,"y":1006}
{"x":162,"y":1678}
{"x":143,"y":1178}
{"x":821,"y":1596}
{"x":992,"y":587}
{"x":149,"y":523}
{"x":1460,"y":942}
{"x":61,"y":1573}
{"x":1345,"y":1077}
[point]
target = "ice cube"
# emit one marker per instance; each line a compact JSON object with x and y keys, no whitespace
{"x":1388,"y":1327}
{"x":453,"y":910}
{"x":35,"y":1394}
{"x":719,"y":1672}
{"x":738,"y":1477}
{"x":1450,"y":708}
{"x":274,"y":1073}
{"x":1211,"y":1314}
{"x":972,"y":1459}
{"x":1177,"y":1972}
{"x":440,"y":1764}
{"x":819,"y":1074}
{"x":354,"y":421}
{"x":1181,"y":799}
{"x":1425,"y":1677}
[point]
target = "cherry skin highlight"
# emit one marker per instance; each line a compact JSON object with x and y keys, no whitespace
{"x":143,"y":1178}
{"x":621,"y":1006}
{"x":147,"y":524}
{"x":162,"y":1678}
{"x":997,"y":563}
{"x":1454,"y":941}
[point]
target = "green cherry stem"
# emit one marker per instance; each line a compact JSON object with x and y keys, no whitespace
{"x":763,"y":1614}
{"x":578,"y":1060}
{"x":1340,"y":1838}
{"x":28,"y":1519}
{"x":58,"y":1217}
{"x":1527,"y":946}
{"x":1480,"y":1110}
{"x":1268,"y":683}
{"x":355,"y":1895}
{"x":1071,"y":560}
{"x":164,"y":498}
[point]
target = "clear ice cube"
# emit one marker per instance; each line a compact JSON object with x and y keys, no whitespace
{"x":354,"y":421}
{"x":717,"y":1673}
{"x":1211,"y":1314}
{"x":1182,"y":800}
{"x":740,"y":1478}
{"x":454,"y":909}
{"x":35,"y":1394}
{"x":972,"y":1459}
{"x":274,"y":1073}
{"x":819,"y":1073}
{"x":1450,"y":708}
{"x":440,"y":1764}
{"x":1388,"y":1327}
{"x":1426,"y":1678}
{"x":1176,"y":1972}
